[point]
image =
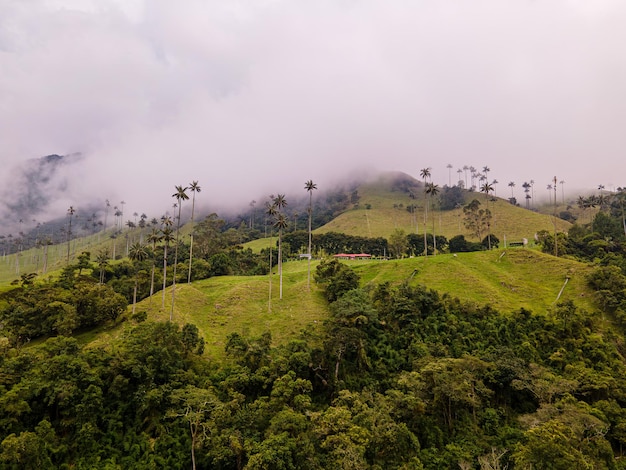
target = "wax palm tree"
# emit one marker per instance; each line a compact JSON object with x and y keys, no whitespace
{"x":425,"y":173}
{"x":512,"y":185}
{"x":180,"y":195}
{"x":281,"y":222}
{"x":310,"y":186}
{"x":153,"y":237}
{"x":527,"y":186}
{"x":194,"y":188}
{"x":465,"y":168}
{"x":459,"y":172}
{"x":487,"y":188}
{"x":252,"y":205}
{"x":549,"y":188}
{"x":102,"y":260}
{"x":270,"y":210}
{"x":449,"y":167}
{"x":432,"y":190}
{"x":137,"y":253}
{"x":70,"y":212}
{"x":106,"y":213}
{"x":167,"y":236}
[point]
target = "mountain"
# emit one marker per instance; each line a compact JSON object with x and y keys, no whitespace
{"x":32,"y":187}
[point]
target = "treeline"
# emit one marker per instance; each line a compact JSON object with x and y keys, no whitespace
{"x":401,"y":377}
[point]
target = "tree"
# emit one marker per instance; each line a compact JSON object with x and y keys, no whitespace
{"x":398,"y":243}
{"x":137,"y":253}
{"x":167,"y":235}
{"x":425,"y":173}
{"x":487,"y":188}
{"x":310,"y":186}
{"x":70,"y":213}
{"x":512,"y":185}
{"x":195,"y":406}
{"x":102,"y":260}
{"x":271,"y":212}
{"x":476,"y":219}
{"x":281,"y":223}
{"x":153,"y":237}
{"x":432,"y":190}
{"x":194,"y":188}
{"x":449,"y":167}
{"x":180,"y":195}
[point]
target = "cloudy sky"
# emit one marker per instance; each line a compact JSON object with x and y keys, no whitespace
{"x":259,"y":96}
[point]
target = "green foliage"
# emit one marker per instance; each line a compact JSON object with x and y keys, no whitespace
{"x":415,"y":243}
{"x":451,"y":197}
{"x":476,"y":220}
{"x":337,"y":279}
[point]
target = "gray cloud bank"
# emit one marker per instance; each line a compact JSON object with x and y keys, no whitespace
{"x":253,"y":97}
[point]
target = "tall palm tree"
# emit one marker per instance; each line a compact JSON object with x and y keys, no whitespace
{"x":432,"y":190}
{"x":137,"y":253}
{"x":153,"y":237}
{"x":167,"y":236}
{"x":106,"y":213}
{"x":70,"y":212}
{"x":512,"y":185}
{"x":194,"y":188}
{"x":526,"y":185}
{"x":487,"y":188}
{"x":252,"y":204}
{"x":102,"y":260}
{"x":425,"y":173}
{"x":281,"y":222}
{"x":458,"y":172}
{"x":449,"y":167}
{"x":271,"y":212}
{"x":549,"y":188}
{"x":180,"y":195}
{"x":310,"y":186}
{"x":465,"y":168}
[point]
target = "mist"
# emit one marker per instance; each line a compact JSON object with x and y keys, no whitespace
{"x":253,"y":98}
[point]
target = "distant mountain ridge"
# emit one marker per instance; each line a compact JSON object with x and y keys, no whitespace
{"x":32,"y":186}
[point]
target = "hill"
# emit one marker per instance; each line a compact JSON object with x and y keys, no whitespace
{"x":382,"y":207}
{"x":505,"y":280}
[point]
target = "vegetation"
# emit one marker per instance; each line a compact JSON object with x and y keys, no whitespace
{"x":500,"y":358}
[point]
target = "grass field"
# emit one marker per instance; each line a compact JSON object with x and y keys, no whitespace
{"x":387,"y":212}
{"x":506,"y":280}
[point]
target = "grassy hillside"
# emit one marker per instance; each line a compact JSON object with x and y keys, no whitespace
{"x":388,"y":211}
{"x":506,"y":280}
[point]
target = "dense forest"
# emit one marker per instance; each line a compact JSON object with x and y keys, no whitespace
{"x":400,"y":376}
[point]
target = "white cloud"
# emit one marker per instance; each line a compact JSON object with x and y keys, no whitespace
{"x":261,"y":96}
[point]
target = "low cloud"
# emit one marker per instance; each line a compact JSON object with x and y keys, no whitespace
{"x":253,"y":98}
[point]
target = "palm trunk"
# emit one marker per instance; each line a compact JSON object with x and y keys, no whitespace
{"x":269,"y":302}
{"x":164,"y":275}
{"x":175,"y":263}
{"x":308,"y":279}
{"x":135,"y":295}
{"x":193,"y":207}
{"x":280,"y":264}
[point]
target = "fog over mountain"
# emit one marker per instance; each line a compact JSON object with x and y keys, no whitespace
{"x":252,"y":98}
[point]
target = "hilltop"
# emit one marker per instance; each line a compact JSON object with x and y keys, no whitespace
{"x":383,"y":206}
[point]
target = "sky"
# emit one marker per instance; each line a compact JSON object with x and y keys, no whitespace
{"x":256,"y":97}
